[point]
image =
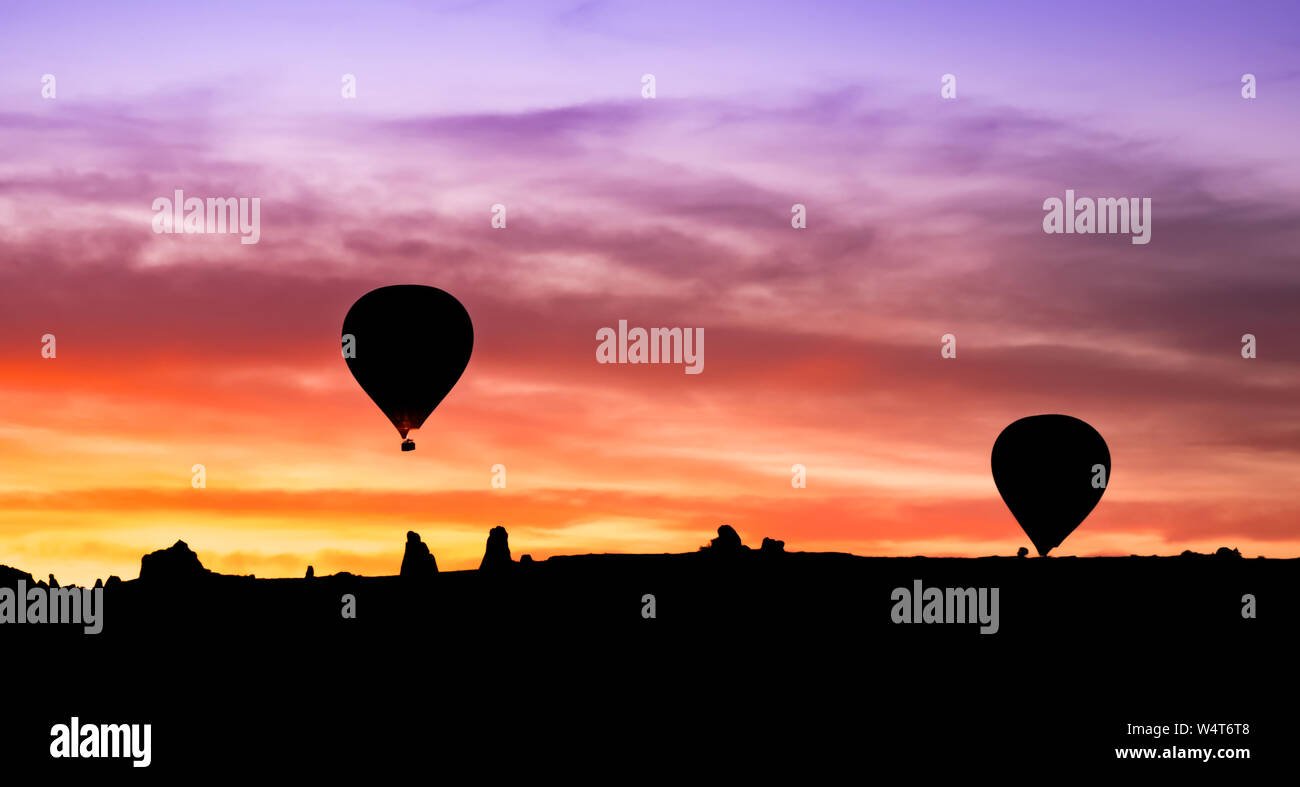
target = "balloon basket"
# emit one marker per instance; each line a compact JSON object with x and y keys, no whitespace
{"x":408,"y":445}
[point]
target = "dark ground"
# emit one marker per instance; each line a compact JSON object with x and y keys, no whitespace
{"x":785,"y":665}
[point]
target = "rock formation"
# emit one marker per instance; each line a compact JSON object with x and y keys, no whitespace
{"x":417,"y":561}
{"x":727,"y":542}
{"x":177,"y":563}
{"x":9,"y":577}
{"x":497,"y":554}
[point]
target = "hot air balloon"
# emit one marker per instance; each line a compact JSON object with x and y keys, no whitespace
{"x":1051,"y":471}
{"x":407,"y":345}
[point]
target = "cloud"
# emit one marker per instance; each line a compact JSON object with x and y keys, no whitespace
{"x":822,"y":344}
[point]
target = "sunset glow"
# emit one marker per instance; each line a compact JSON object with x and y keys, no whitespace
{"x":924,"y":219}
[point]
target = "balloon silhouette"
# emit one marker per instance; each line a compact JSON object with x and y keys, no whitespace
{"x":1051,"y":471}
{"x":409,"y":346}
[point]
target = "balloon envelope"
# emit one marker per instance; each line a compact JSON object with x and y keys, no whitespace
{"x":410,"y":344}
{"x":1046,"y":468}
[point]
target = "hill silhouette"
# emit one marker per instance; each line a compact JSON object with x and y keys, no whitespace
{"x":765,"y":653}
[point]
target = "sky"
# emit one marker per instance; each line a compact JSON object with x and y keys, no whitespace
{"x":822,"y":345}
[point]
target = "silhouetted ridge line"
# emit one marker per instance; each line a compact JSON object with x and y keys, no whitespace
{"x":179,"y":564}
{"x":9,"y":577}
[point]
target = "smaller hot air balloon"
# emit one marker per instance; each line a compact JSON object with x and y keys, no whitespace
{"x":1051,"y":471}
{"x":409,"y":345}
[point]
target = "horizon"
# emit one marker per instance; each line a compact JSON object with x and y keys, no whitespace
{"x":488,"y":549}
{"x":924,"y":218}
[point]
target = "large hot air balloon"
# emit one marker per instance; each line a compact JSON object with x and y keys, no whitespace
{"x":407,"y":345}
{"x":1051,"y":470}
